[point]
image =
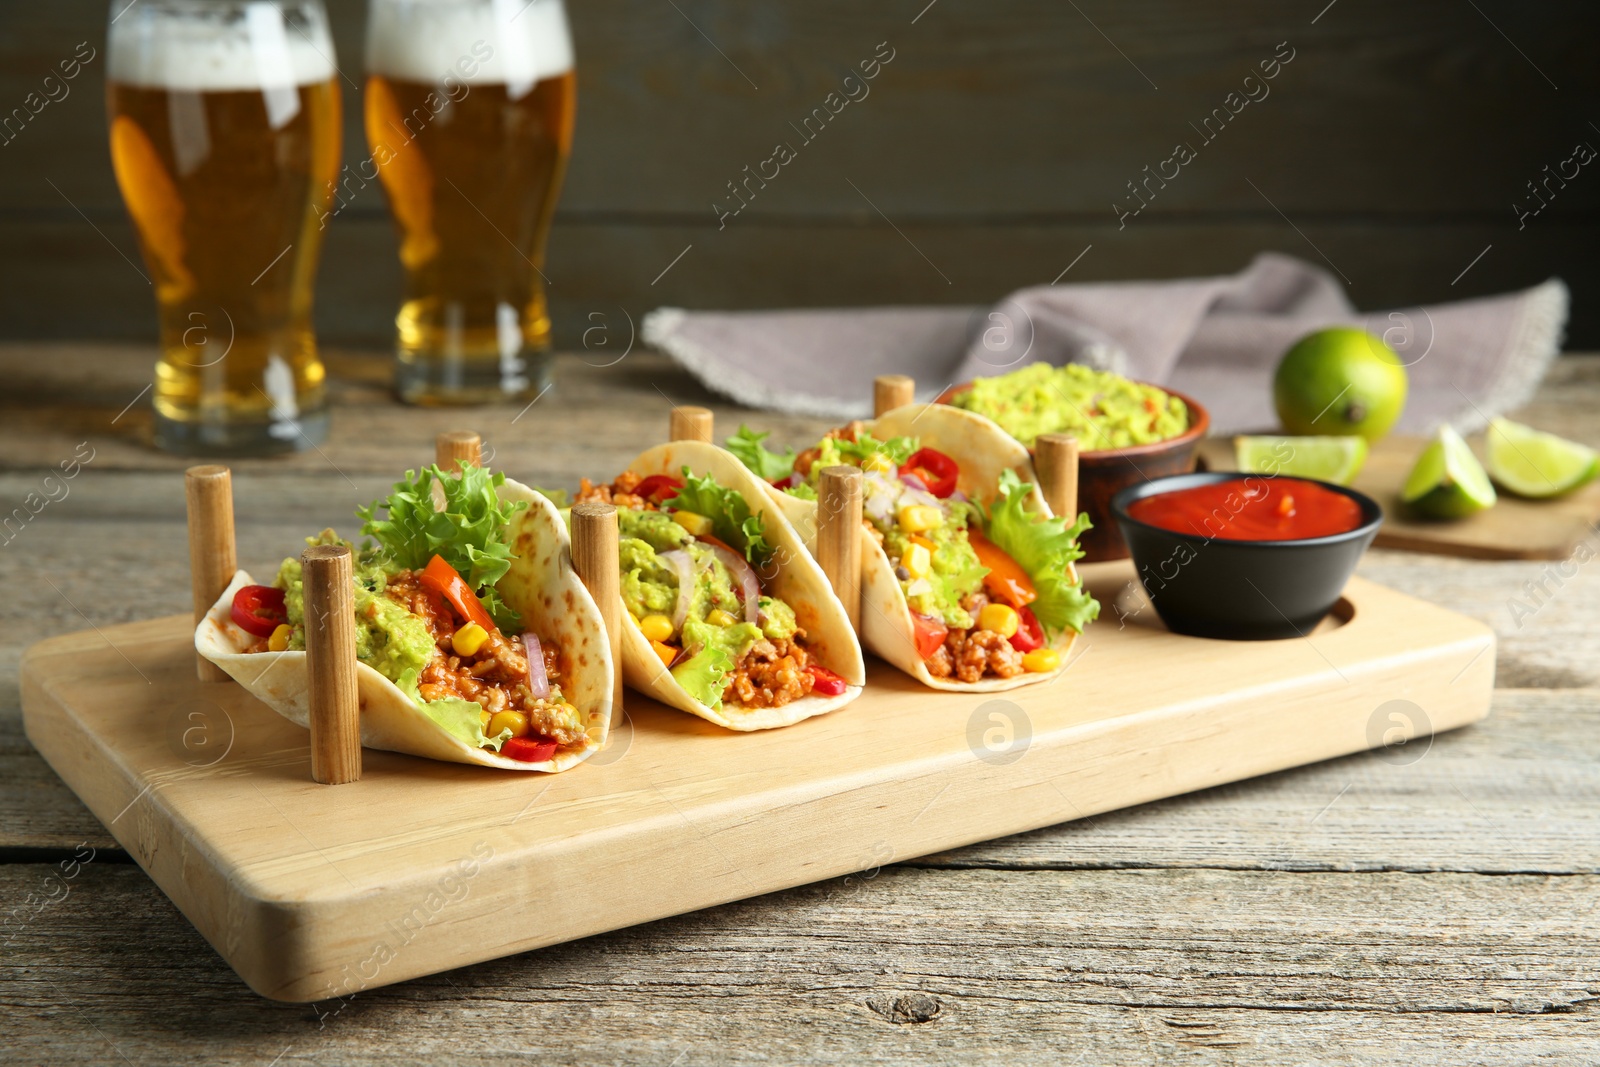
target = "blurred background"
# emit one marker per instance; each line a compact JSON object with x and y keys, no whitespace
{"x":1400,"y":142}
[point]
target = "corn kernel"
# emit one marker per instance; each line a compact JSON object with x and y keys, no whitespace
{"x":718,"y":617}
{"x":279,"y":641}
{"x":666,"y":653}
{"x":1001,"y":618}
{"x":916,"y":561}
{"x":878,"y":461}
{"x":1041,"y":660}
{"x":514,"y":721}
{"x":656,"y":627}
{"x":697,"y":525}
{"x":915,"y":518}
{"x":467,"y":640}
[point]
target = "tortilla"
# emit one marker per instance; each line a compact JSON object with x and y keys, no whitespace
{"x":983,"y":451}
{"x":541,"y":586}
{"x":799,"y":582}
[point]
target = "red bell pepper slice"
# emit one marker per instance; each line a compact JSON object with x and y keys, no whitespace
{"x":1006,"y":579}
{"x":528,"y":749}
{"x":825,"y":681}
{"x":259,"y":609}
{"x":929,"y":633}
{"x":658,"y":488}
{"x":1029,"y":635}
{"x":937,"y":471}
{"x":448,"y":583}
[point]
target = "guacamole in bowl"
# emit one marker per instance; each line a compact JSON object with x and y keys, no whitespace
{"x":1104,"y":411}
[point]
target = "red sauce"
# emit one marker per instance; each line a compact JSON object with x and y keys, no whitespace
{"x":1251,"y":509}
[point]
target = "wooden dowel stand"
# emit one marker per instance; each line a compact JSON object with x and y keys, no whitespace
{"x":890,"y":391}
{"x":331,"y":663}
{"x":1055,"y":457}
{"x":839,"y":536}
{"x":594,"y":557}
{"x":208,"y":491}
{"x":690,"y":424}
{"x":455,"y":445}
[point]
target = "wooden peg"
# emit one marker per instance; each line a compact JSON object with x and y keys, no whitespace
{"x":594,"y":557}
{"x":839,"y":536}
{"x":331,"y":662}
{"x":691,"y":424}
{"x":1055,"y":457}
{"x":212,"y":557}
{"x":454,"y":445}
{"x":890,"y":391}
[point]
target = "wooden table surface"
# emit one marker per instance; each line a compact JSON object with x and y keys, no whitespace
{"x":1432,"y":904}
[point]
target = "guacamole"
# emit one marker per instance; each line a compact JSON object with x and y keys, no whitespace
{"x":713,"y":632}
{"x":954,"y":572}
{"x":1104,"y":410}
{"x":389,"y":639}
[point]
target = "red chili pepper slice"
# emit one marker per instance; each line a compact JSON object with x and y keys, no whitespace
{"x":1029,"y":635}
{"x":448,"y":583}
{"x":528,"y":749}
{"x":658,"y":488}
{"x":825,"y":681}
{"x":929,"y":634}
{"x":259,"y":609}
{"x":937,"y":471}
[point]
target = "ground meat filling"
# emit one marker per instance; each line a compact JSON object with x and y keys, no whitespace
{"x":971,"y":655}
{"x":770,"y":675}
{"x":620,"y":492}
{"x":496,"y":676}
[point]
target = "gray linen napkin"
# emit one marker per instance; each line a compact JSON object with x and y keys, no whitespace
{"x":1217,"y":339}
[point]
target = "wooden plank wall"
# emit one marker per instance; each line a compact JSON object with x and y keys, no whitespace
{"x":1394,"y":144}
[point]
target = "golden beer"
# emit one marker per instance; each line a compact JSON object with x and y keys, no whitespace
{"x":469,"y":115}
{"x":225,"y":141}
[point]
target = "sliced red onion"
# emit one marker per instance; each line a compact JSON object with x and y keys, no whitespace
{"x":957,"y":497}
{"x":913,"y":495}
{"x":914,"y":481}
{"x":680,"y":562}
{"x":538,"y":681}
{"x":749,"y":585}
{"x":879,"y":494}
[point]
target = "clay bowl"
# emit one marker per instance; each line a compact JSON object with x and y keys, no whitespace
{"x":1104,"y":473}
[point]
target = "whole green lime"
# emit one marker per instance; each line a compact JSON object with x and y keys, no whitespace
{"x":1340,"y":381}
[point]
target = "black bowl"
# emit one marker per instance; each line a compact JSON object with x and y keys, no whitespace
{"x":1241,"y":590}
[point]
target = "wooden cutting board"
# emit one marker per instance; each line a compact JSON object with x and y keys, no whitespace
{"x":314,"y":893}
{"x":1513,"y":529}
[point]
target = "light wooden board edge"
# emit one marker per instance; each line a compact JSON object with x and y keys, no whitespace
{"x":686,"y":854}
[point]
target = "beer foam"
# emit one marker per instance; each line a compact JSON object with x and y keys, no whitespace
{"x":200,"y":52}
{"x":525,"y":41}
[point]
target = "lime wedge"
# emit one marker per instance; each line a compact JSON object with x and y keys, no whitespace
{"x":1534,"y":464}
{"x":1448,"y":482}
{"x":1328,"y":459}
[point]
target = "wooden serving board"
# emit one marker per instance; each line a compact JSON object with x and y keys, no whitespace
{"x":316,"y":892}
{"x":1513,"y":529}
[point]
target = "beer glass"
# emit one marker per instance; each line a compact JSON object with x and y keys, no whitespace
{"x":469,"y":114}
{"x":225,"y":141}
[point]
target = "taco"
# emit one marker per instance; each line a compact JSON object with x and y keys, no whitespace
{"x":968,"y":583}
{"x":476,"y":642}
{"x":728,"y":616}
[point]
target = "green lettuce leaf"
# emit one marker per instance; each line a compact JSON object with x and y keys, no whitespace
{"x":731,"y":518}
{"x":767,"y":465}
{"x":704,"y":675}
{"x":1043,"y":548}
{"x":467,"y":532}
{"x":898,"y":449}
{"x":462,"y":719}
